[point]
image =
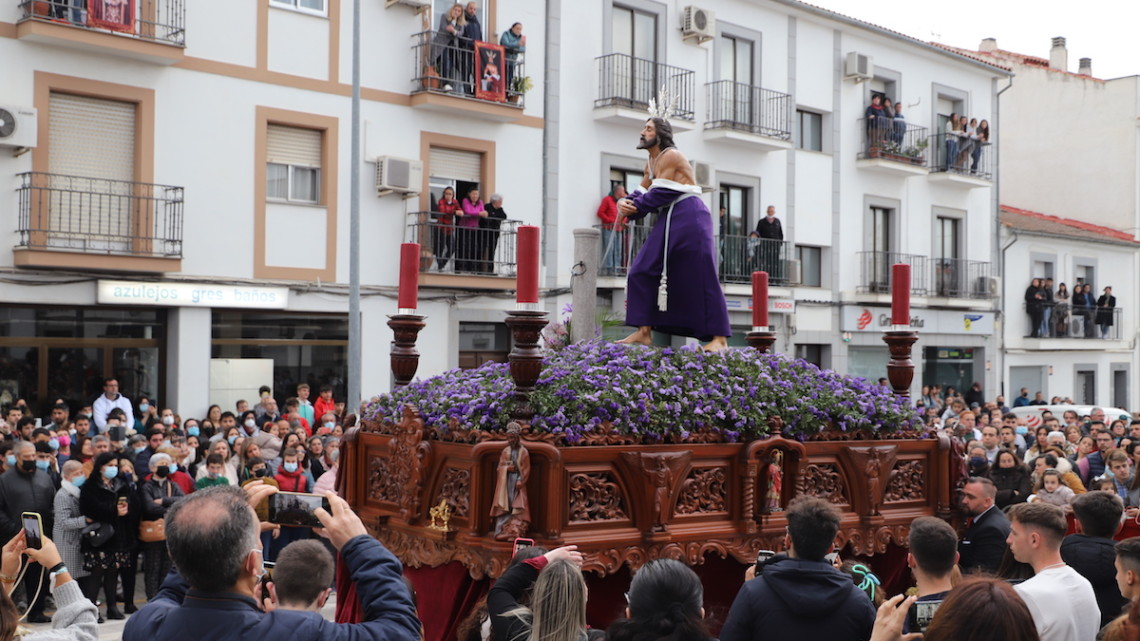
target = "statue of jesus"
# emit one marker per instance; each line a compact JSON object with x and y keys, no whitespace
{"x":673,"y":286}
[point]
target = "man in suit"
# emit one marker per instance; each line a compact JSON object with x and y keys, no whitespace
{"x":983,"y":544}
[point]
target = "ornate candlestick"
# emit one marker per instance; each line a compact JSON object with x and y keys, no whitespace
{"x":525,"y":358}
{"x":405,"y":356}
{"x":761,"y":339}
{"x":900,"y":368}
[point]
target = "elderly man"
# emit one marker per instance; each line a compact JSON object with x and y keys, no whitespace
{"x":213,"y":539}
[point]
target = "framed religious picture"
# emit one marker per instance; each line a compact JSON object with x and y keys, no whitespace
{"x":489,"y":72}
{"x":116,"y":15}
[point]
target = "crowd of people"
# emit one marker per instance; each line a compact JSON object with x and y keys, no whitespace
{"x":103,"y":479}
{"x":1061,"y":315}
{"x":467,"y":231}
{"x":962,"y":139}
{"x":453,"y":51}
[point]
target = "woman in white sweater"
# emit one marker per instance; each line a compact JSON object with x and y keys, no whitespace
{"x":75,"y":618}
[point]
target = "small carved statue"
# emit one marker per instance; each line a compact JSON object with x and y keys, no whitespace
{"x":510,"y":507}
{"x":775,"y":482}
{"x":441,"y":513}
{"x":874,"y":471}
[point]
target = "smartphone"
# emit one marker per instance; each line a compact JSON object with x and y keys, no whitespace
{"x":831,"y":558}
{"x":761,"y":557}
{"x":33,"y":530}
{"x":920,"y":614}
{"x":520,"y":544}
{"x":297,"y":509}
{"x":118,"y":433}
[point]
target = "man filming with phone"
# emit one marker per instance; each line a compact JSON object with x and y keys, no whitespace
{"x":213,"y":539}
{"x":27,"y":488}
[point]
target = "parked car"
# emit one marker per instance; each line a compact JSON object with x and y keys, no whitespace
{"x":1032,"y":413}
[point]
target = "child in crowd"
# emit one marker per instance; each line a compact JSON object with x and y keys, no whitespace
{"x":1053,"y":492}
{"x":215,"y":472}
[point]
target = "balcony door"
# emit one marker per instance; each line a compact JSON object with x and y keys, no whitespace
{"x":950,"y":271}
{"x":734,"y":99}
{"x":635,"y":71}
{"x":881,"y":249}
{"x":737,"y":257}
{"x":92,"y":168}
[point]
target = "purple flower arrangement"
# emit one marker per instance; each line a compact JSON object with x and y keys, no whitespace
{"x":657,"y":394}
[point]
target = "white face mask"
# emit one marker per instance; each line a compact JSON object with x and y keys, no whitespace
{"x":251,"y":423}
{"x":168,"y":420}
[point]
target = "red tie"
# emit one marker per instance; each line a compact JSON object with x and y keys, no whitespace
{"x":969,"y":522}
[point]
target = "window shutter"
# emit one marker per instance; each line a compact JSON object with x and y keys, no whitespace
{"x":91,"y":137}
{"x":293,"y":146}
{"x":453,"y":164}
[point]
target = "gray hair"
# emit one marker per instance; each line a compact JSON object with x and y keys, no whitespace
{"x":209,"y":533}
{"x":160,"y":459}
{"x":70,"y":467}
{"x":496,"y":198}
{"x":23,"y":446}
{"x":99,"y":439}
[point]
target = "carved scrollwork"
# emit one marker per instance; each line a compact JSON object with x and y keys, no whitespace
{"x":868,"y":541}
{"x":419,"y":551}
{"x":864,"y":435}
{"x":409,"y":456}
{"x":456,"y":490}
{"x":605,"y":435}
{"x":743,"y":549}
{"x":703,"y":491}
{"x":908,"y":482}
{"x":596,"y":496}
{"x":381,"y":484}
{"x":824,"y":481}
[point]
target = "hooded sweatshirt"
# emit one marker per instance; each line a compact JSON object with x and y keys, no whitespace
{"x":797,"y":600}
{"x":1093,"y":558}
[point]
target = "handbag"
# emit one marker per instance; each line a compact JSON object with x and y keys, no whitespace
{"x":154,"y":531}
{"x":97,"y":534}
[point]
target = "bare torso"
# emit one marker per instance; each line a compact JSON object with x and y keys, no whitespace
{"x":669,"y":164}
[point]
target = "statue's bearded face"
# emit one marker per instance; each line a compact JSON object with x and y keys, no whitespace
{"x":648,"y":136}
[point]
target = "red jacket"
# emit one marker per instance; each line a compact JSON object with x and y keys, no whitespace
{"x":291,"y":482}
{"x":607,"y":212}
{"x":445,"y":220}
{"x":322,"y":407}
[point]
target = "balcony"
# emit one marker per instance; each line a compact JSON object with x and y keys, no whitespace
{"x":961,"y":161}
{"x":960,"y":278}
{"x":627,"y":84}
{"x":955,"y":278}
{"x":443,"y":80}
{"x":72,"y":222}
{"x":875,"y":272}
{"x":1066,"y":321}
{"x":155,"y":33}
{"x":741,"y":114}
{"x":893,"y":147}
{"x":453,"y":256}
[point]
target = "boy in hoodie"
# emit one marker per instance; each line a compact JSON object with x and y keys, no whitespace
{"x":802,"y":596}
{"x":1091,"y":551}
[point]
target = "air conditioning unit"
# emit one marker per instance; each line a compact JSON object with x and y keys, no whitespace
{"x":703,"y":174}
{"x":988,"y":287}
{"x":398,"y":175}
{"x":415,"y":4}
{"x":794,"y":269}
{"x":698,"y":24}
{"x":18,"y":127}
{"x":859,"y":67}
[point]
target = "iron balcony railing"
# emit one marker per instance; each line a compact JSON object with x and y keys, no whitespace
{"x":875,"y":272}
{"x":618,"y":248}
{"x":626,"y":81}
{"x":162,"y":21}
{"x":742,"y":255}
{"x":1065,"y":320}
{"x":444,"y":63}
{"x":961,"y":154}
{"x":744,"y":107}
{"x":447,"y":248}
{"x":960,"y":278}
{"x":895,"y":140}
{"x":97,"y":216}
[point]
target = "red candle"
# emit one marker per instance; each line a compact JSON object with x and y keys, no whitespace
{"x":759,"y":299}
{"x":527,"y":279}
{"x":900,"y":294}
{"x":409,"y":276}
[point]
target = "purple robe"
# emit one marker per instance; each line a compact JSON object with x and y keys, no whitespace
{"x":696,"y":304}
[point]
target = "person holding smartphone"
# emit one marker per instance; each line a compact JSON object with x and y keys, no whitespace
{"x":75,"y":615}
{"x":27,"y":488}
{"x":108,"y":500}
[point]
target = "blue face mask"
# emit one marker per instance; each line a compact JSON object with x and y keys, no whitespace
{"x":290,"y":467}
{"x":43,"y":465}
{"x":143,"y":407}
{"x":232,"y":439}
{"x":173,"y":468}
{"x":110,"y":472}
{"x":11,"y":460}
{"x":139,"y":450}
{"x":330,"y":425}
{"x":53,"y":443}
{"x":78,"y":481}
{"x":192,"y":430}
{"x":1021,"y":429}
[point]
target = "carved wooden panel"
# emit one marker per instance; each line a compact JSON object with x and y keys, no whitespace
{"x":825,"y":481}
{"x":382,"y":486}
{"x":704,"y":491}
{"x":595,"y":496}
{"x":908,"y":482}
{"x":456,"y":490}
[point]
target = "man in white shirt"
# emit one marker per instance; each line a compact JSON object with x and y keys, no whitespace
{"x":1061,"y":601}
{"x":109,"y":400}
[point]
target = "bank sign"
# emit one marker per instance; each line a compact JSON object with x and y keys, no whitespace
{"x":122,"y":292}
{"x":863,"y":318}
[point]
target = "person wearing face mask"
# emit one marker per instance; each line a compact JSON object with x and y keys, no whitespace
{"x":259,"y":473}
{"x":290,"y":477}
{"x":327,"y":481}
{"x":270,"y":445}
{"x":26,"y":487}
{"x":177,"y":473}
{"x":159,"y":493}
{"x":69,"y":521}
{"x":107,"y":499}
{"x":169,"y":420}
{"x":45,"y":460}
{"x":154,"y":439}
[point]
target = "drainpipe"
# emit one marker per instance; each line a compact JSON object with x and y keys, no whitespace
{"x":997,"y":239}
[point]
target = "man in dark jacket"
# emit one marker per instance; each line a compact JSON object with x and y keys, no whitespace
{"x":213,"y":540}
{"x":1092,"y":551}
{"x":27,"y":488}
{"x":802,"y":596}
{"x":983,"y":544}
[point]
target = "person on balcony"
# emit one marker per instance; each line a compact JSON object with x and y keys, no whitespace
{"x":1060,"y":309}
{"x":489,"y":233}
{"x":898,"y":125}
{"x":1084,"y":304}
{"x":471,"y":210}
{"x":445,"y":45}
{"x":472,"y":33}
{"x":514,"y":42}
{"x":1033,"y":300}
{"x":771,"y":238}
{"x":612,"y":228}
{"x":966,"y":143}
{"x":1046,"y":308}
{"x":953,"y":130}
{"x":876,"y":122}
{"x":1104,"y":310}
{"x":982,"y":139}
{"x":443,"y":227}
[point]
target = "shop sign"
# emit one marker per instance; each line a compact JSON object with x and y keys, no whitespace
{"x":863,"y":318}
{"x":775,"y":305}
{"x":123,"y":292}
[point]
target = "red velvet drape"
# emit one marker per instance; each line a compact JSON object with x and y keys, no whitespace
{"x":445,"y":595}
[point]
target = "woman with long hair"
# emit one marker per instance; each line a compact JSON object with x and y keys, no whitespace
{"x":1011,"y":478}
{"x":666,"y":601}
{"x":975,"y":610}
{"x":109,"y":500}
{"x":1040,"y":443}
{"x":558,"y":603}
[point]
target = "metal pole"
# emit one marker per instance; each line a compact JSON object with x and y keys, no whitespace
{"x":354,"y":342}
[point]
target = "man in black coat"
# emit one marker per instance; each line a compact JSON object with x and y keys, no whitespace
{"x":801,"y":596}
{"x":771,"y":255}
{"x":1092,"y":551}
{"x":28,"y":488}
{"x":983,"y":544}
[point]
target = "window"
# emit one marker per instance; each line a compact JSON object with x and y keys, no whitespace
{"x":881,"y":229}
{"x":734,"y":204}
{"x":635,"y":33}
{"x":441,"y":7}
{"x":482,"y":343}
{"x":951,"y":273}
{"x":811,"y":265}
{"x":736,"y":59}
{"x":294,"y":164}
{"x":879,"y":260}
{"x":458,"y":169}
{"x":814,"y":353}
{"x":809,"y":130}
{"x":313,"y":6}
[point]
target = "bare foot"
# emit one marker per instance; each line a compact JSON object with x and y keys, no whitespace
{"x":640,"y":337}
{"x":717,"y":344}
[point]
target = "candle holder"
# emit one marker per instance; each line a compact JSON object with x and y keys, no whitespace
{"x":761,"y":339}
{"x":900,"y":368}
{"x":405,"y":356}
{"x":525,"y":358}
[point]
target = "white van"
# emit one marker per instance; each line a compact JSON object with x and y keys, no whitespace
{"x":1032,"y":413}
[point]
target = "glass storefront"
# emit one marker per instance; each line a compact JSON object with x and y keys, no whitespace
{"x":955,"y":367}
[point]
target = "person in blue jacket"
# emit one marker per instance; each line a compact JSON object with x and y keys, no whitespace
{"x":213,"y":539}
